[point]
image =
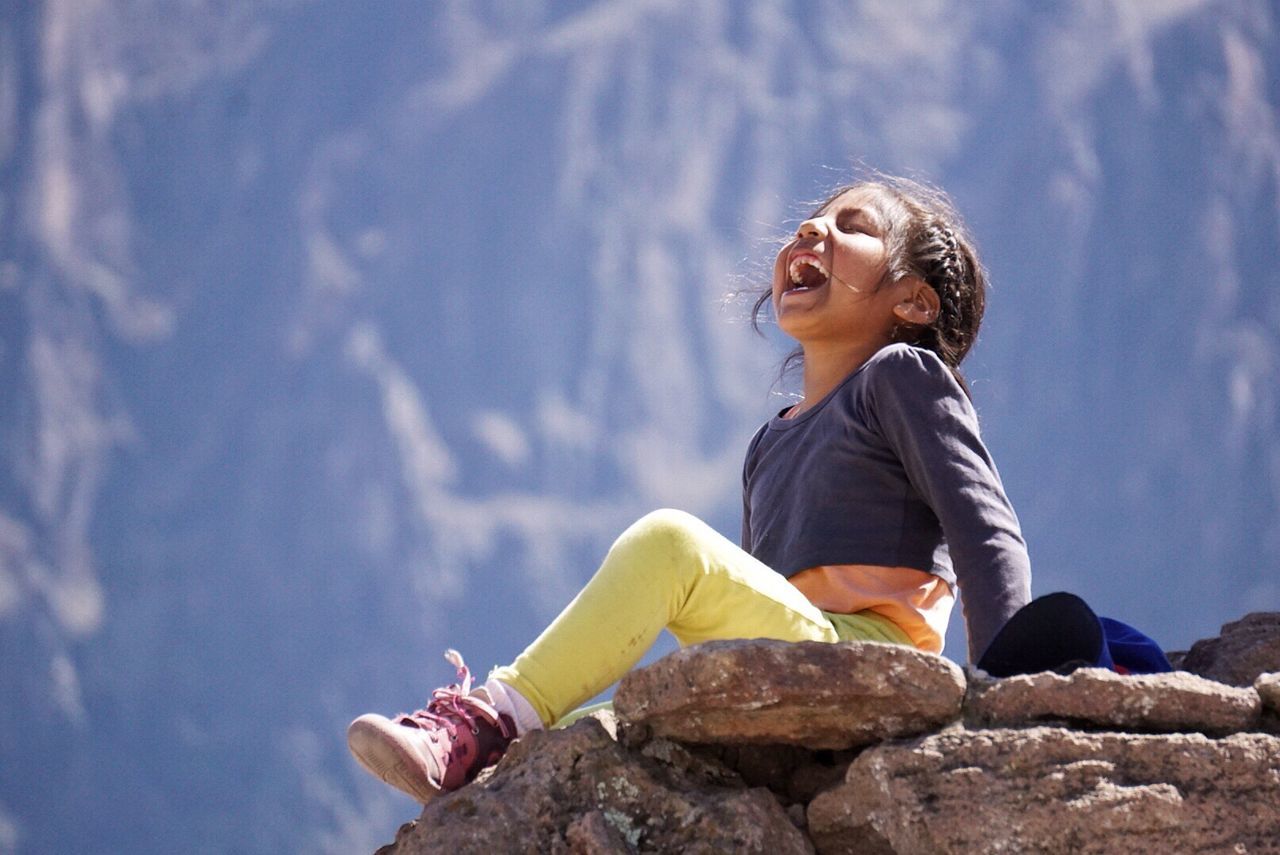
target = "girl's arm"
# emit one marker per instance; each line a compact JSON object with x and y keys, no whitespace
{"x":930,"y":423}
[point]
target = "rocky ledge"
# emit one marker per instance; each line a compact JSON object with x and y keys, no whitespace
{"x":764,"y":746}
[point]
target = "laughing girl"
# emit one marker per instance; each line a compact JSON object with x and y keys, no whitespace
{"x":865,"y":505}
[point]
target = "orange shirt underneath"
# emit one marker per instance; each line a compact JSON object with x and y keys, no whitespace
{"x":918,"y":602}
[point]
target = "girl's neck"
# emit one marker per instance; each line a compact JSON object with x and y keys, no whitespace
{"x":826,"y":365}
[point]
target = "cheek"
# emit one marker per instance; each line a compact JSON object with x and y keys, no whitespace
{"x":863,"y":264}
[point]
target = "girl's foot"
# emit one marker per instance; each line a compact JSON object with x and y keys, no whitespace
{"x":436,"y":749}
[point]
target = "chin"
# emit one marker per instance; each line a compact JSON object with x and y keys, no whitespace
{"x":794,"y":329}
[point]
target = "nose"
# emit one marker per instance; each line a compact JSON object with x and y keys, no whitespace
{"x":814,"y":227}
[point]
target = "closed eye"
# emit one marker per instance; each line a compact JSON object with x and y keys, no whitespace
{"x":854,"y":220}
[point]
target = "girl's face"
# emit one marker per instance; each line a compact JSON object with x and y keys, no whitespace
{"x":827,"y":279}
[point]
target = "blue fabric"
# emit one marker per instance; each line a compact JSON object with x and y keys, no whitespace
{"x":1131,"y":650}
{"x":1060,"y":632}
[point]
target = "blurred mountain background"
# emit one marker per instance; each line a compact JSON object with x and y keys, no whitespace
{"x":333,"y":334}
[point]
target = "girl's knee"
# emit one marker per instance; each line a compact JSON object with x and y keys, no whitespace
{"x":666,"y":526}
{"x":665,"y":538}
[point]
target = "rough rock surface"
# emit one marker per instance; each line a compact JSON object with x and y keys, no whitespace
{"x":814,"y":694}
{"x":977,"y":787}
{"x":1268,"y":688}
{"x":1245,"y":649}
{"x":577,"y":790}
{"x":1056,"y":790}
{"x":1097,"y":697}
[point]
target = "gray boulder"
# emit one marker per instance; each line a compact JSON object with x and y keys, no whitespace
{"x":1096,"y":697}
{"x":577,"y":790}
{"x":1055,"y":790}
{"x":813,"y":694}
{"x":1245,"y":649}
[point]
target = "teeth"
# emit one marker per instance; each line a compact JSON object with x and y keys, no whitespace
{"x":798,"y":266}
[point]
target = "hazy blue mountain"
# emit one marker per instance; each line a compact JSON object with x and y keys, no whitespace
{"x":333,"y":334}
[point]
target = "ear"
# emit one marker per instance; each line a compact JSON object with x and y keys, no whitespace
{"x":919,"y":304}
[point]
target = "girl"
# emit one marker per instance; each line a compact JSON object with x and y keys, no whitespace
{"x":864,"y":504}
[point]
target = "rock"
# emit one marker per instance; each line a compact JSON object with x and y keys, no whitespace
{"x":577,"y":790}
{"x":1244,"y":649}
{"x":1268,"y":688}
{"x":1097,"y":697}
{"x":762,"y":773}
{"x":816,"y":694}
{"x":593,"y":833}
{"x":1055,"y":790}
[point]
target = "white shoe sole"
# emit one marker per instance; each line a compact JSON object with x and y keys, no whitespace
{"x":374,"y":741}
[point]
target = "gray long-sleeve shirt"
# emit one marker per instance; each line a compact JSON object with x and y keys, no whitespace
{"x":889,"y":470}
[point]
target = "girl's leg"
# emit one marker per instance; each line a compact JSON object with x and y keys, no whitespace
{"x":669,"y":570}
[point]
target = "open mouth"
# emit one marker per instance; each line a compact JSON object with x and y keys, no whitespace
{"x":806,"y":273}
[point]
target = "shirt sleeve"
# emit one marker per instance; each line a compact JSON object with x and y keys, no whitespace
{"x":928,"y":420}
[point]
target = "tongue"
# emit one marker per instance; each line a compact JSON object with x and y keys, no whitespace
{"x":812,"y":278}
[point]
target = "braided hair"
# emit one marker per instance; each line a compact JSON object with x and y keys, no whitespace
{"x":925,"y":238}
{"x":946,"y":261}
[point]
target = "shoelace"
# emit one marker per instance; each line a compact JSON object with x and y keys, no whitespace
{"x":453,"y":705}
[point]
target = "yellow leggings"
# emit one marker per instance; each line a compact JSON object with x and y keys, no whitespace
{"x":669,"y":570}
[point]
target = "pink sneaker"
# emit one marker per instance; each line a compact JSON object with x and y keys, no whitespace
{"x":436,"y":749}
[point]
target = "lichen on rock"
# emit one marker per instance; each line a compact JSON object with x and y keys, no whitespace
{"x":577,"y":790}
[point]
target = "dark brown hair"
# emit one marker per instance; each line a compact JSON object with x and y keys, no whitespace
{"x":925,"y":237}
